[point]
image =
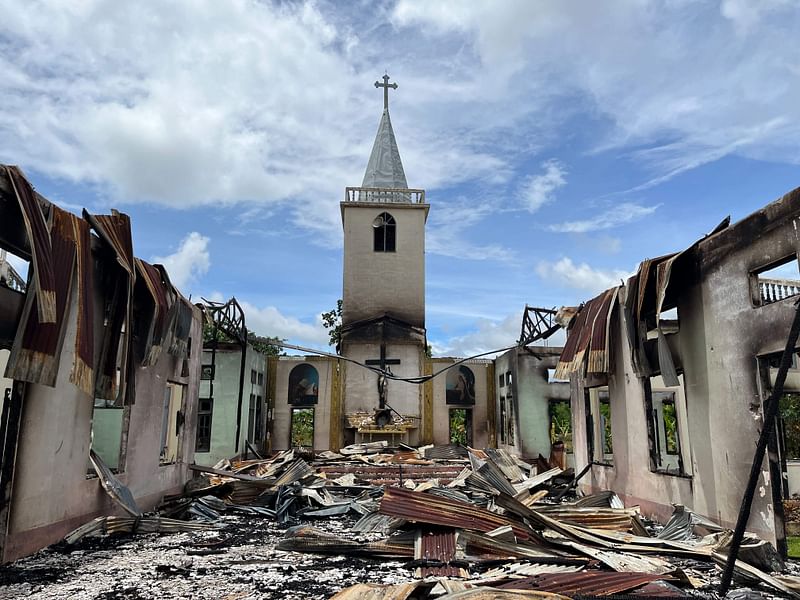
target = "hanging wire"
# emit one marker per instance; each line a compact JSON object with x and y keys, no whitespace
{"x":385,"y":372}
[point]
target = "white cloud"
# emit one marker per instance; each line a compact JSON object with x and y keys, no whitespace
{"x":191,"y":260}
{"x":447,"y":230}
{"x":580,"y":276}
{"x":269,"y":321}
{"x":537,"y":190}
{"x":746,"y":14}
{"x":695,"y":82}
{"x":486,"y":336}
{"x":202,"y":102}
{"x":625,"y":212}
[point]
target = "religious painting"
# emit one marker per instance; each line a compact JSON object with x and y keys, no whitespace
{"x":303,"y":386}
{"x":460,"y":386}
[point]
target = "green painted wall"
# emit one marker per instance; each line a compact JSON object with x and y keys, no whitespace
{"x":533,"y":391}
{"x":106,"y":434}
{"x":226,"y":388}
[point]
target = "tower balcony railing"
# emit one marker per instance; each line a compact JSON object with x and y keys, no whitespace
{"x":773,"y":290}
{"x":392,"y":195}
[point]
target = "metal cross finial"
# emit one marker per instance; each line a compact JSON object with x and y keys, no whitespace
{"x":385,"y":85}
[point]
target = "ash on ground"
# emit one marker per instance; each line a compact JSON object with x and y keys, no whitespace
{"x":237,"y":562}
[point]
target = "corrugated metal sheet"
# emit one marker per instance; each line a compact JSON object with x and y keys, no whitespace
{"x":506,"y":463}
{"x":589,"y":583}
{"x":446,"y":452}
{"x":376,"y":591}
{"x":614,"y":519}
{"x":497,"y":478}
{"x":519,"y":570}
{"x":439,"y":547}
{"x":486,"y":547}
{"x":606,"y":499}
{"x":374,"y":522}
{"x":298,"y":470}
{"x":427,"y":508}
{"x":532,"y":482}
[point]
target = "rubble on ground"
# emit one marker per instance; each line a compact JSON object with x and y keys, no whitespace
{"x":409,"y":523}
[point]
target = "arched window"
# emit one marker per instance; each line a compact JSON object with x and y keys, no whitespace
{"x":385,"y":233}
{"x":303,"y":386}
{"x":460,"y":386}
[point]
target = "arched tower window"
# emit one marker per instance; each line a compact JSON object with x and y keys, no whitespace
{"x":385,"y":233}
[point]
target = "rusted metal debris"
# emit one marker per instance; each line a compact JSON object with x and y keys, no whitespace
{"x":474,"y":524}
{"x":113,"y":486}
{"x":589,"y":583}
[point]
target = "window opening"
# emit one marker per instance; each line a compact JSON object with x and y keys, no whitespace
{"x":510,"y":436}
{"x":107,"y":425}
{"x":666,"y":417}
{"x":775,"y":282}
{"x":205,"y":412}
{"x":302,"y":433}
{"x":502,"y":419}
{"x":171,"y":422}
{"x":255,"y":429}
{"x":670,"y":418}
{"x":461,"y":426}
{"x":551,"y":377}
{"x":561,"y":423}
{"x":251,"y":418}
{"x":605,"y":425}
{"x":384,"y":232}
{"x":598,"y":423}
{"x":789,"y":411}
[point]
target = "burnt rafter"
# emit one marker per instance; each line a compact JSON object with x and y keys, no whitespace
{"x":537,"y":324}
{"x":227,"y":317}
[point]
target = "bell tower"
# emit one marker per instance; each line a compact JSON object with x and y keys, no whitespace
{"x":383,"y":308}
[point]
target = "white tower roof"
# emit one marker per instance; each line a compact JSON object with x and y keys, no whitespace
{"x":385,"y":169}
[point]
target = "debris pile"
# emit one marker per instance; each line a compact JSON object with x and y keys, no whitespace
{"x":463,"y":523}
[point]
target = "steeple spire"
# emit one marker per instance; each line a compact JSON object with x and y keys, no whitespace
{"x":385,"y":169}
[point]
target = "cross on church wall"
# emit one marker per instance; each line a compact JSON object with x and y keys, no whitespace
{"x":385,"y":85}
{"x":382,"y":362}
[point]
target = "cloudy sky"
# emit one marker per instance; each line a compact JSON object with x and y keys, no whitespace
{"x":559,"y":142}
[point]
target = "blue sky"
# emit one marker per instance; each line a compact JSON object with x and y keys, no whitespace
{"x":560,"y":143}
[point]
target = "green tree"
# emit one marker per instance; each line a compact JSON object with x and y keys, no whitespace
{"x":332,"y":321}
{"x":303,"y":427}
{"x":561,"y":424}
{"x":458,"y":426}
{"x":264,"y":344}
{"x":790,"y":413}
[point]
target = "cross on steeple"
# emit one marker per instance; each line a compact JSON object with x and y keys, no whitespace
{"x":385,"y":85}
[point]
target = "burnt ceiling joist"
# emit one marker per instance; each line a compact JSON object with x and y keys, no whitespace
{"x":537,"y":324}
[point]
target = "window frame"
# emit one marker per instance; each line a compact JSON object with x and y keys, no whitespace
{"x":756,"y":298}
{"x":657,"y":434}
{"x":595,"y":422}
{"x":202,"y":416}
{"x":384,"y":238}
